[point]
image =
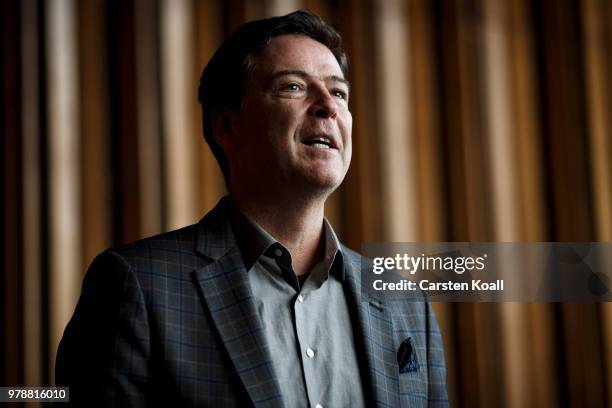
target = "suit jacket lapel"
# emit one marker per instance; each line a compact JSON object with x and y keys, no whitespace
{"x":374,"y":333}
{"x":227,"y":294}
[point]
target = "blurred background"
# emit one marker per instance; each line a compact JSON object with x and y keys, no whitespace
{"x":475,"y":120}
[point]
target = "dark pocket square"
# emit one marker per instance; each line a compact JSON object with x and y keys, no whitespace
{"x":407,"y":357}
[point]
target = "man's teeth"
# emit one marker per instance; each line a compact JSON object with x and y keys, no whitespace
{"x":320,"y":145}
{"x":320,"y":142}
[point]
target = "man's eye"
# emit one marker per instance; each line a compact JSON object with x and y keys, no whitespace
{"x":291,"y":87}
{"x":338,"y":93}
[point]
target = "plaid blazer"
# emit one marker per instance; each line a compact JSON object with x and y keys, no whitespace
{"x":171,"y":320}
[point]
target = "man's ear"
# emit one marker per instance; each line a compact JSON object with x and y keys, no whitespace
{"x":224,"y":129}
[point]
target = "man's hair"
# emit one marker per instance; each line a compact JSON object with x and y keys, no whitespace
{"x":224,"y":79}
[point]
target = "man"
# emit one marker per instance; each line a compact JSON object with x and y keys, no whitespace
{"x":258,"y":304}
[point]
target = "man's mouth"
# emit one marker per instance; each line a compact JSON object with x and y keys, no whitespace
{"x":321,"y":142}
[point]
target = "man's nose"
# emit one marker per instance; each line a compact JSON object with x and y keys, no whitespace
{"x":324,"y":105}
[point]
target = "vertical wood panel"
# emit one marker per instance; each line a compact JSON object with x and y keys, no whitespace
{"x":31,"y":197}
{"x":569,"y":191}
{"x":125,"y":158}
{"x":477,"y":218}
{"x":606,"y":317}
{"x":95,"y":135}
{"x":597,"y":50}
{"x":607,"y":308}
{"x":530,"y":199}
{"x":180,"y":139}
{"x":471,"y":132}
{"x":477,"y":325}
{"x":527,"y":122}
{"x":400,"y":221}
{"x":499,"y":122}
{"x":11,"y":328}
{"x":505,"y":199}
{"x":565,"y":119}
{"x":64,"y":169}
{"x":426,"y":122}
{"x":148,"y":109}
{"x":545,"y":351}
{"x":597,"y":40}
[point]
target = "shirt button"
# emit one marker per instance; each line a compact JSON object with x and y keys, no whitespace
{"x":300,"y":298}
{"x":310,"y":352}
{"x":278,"y":252}
{"x":318,"y":406}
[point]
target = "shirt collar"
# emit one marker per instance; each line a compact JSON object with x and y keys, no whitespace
{"x":333,"y":251}
{"x":253,"y":240}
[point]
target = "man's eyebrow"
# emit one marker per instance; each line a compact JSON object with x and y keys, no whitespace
{"x":303,"y":74}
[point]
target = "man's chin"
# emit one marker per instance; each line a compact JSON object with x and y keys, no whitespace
{"x":323,"y":183}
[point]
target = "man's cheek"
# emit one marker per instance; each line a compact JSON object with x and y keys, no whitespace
{"x":349,"y":121}
{"x":348,"y":154}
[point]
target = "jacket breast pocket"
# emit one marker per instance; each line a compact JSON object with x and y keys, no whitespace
{"x":412,"y":368}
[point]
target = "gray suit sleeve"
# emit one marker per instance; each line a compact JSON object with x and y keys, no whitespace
{"x":104,"y":355}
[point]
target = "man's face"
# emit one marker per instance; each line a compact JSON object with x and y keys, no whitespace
{"x":294,"y":128}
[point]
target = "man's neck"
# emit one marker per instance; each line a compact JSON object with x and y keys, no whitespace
{"x":295,"y":223}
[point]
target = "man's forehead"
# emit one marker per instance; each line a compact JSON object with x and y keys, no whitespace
{"x":294,"y":53}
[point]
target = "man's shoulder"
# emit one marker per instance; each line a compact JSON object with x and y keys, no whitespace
{"x":351,"y":256}
{"x":169,"y":254}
